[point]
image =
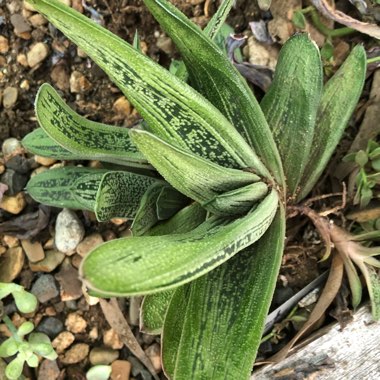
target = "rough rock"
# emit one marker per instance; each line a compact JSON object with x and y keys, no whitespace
{"x":75,"y":323}
{"x":63,"y":341}
{"x":75,"y":354}
{"x":103,"y":355}
{"x":122,"y":106}
{"x":37,"y":54}
{"x":69,"y":231}
{"x":15,"y":181}
{"x":48,"y":370}
{"x":45,"y":288}
{"x":89,"y":243}
{"x":50,"y":326}
{"x":79,"y":83}
{"x":4,"y":45}
{"x":11,"y":146}
{"x":49,"y":263}
{"x":154,"y":354}
{"x":11,"y":263}
{"x":13,"y":204}
{"x":111,"y":339}
{"x":71,"y":286}
{"x":121,"y":370}
{"x":33,"y":250}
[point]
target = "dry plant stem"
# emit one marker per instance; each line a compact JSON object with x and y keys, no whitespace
{"x":328,"y":294}
{"x":116,"y":320}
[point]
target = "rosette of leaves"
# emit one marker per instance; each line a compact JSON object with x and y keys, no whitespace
{"x":209,"y":221}
{"x":26,"y":351}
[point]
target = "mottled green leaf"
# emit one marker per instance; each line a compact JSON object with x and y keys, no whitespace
{"x":8,"y":348}
{"x":169,"y":202}
{"x":14,"y":368}
{"x":153,"y":311}
{"x":291,"y":104}
{"x":238,"y":201}
{"x":26,"y":328}
{"x":26,"y":302}
{"x":71,"y":187}
{"x":213,"y":326}
{"x":196,"y":177}
{"x":215,"y":77}
{"x":218,"y":19}
{"x":83,"y":137}
{"x":149,"y":264}
{"x":172,"y":109}
{"x":39,"y":142}
{"x":339,"y":99}
{"x":119,"y":194}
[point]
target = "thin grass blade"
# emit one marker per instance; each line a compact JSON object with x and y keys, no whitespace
{"x":149,"y":264}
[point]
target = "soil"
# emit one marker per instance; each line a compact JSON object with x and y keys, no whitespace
{"x":89,"y":91}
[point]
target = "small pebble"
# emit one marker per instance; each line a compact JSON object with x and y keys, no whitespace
{"x":10,"y":95}
{"x":89,"y":243}
{"x":154,"y":354}
{"x":111,"y":339}
{"x":60,"y":77}
{"x":48,"y":370}
{"x":45,"y":288}
{"x":4,"y":45}
{"x":50,"y":326}
{"x":33,"y":251}
{"x":69,"y":231}
{"x":19,"y":24}
{"x":79,"y":83}
{"x":45,"y":161}
{"x":165,"y":44}
{"x":13,"y":204}
{"x":37,"y":54}
{"x":121,"y":370}
{"x":122,"y":106}
{"x":49,"y":263}
{"x":11,"y":146}
{"x":37,"y":20}
{"x":71,"y":286}
{"x":103,"y":355}
{"x":11,"y":263}
{"x":22,"y":60}
{"x":94,"y":333}
{"x":15,"y":181}
{"x":11,"y":241}
{"x":76,"y":354}
{"x":76,"y":260}
{"x":25,"y":85}
{"x":2,"y":250}
{"x":75,"y":323}
{"x":63,"y":341}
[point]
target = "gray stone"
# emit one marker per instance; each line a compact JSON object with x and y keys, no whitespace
{"x":45,"y":288}
{"x":15,"y":181}
{"x":69,"y":231}
{"x":11,"y":146}
{"x":50,"y":326}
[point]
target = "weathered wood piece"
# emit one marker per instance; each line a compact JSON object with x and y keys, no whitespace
{"x":349,"y":354}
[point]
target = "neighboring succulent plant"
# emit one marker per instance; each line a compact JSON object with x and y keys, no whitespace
{"x":209,"y":232}
{"x":37,"y":344}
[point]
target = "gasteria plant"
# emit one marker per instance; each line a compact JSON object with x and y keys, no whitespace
{"x":209,"y":224}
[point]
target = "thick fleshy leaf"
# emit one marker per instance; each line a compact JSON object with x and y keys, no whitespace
{"x":218,"y":19}
{"x":25,"y":328}
{"x":172,"y":109}
{"x":83,"y":137}
{"x":41,"y":345}
{"x":6,"y":289}
{"x":339,"y":99}
{"x":202,"y":337}
{"x":196,"y":177}
{"x":154,"y":306}
{"x":291,"y":103}
{"x":238,"y":201}
{"x":215,"y":77}
{"x":26,"y":302}
{"x":119,"y":194}
{"x":185,"y":220}
{"x":71,"y":187}
{"x":159,"y":202}
{"x":8,"y":348}
{"x":149,"y":264}
{"x":39,"y":142}
{"x":14,"y":368}
{"x":153,"y":311}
